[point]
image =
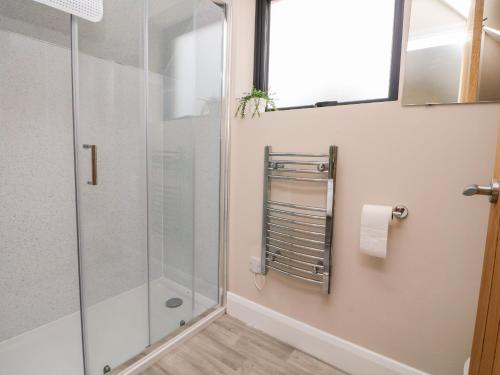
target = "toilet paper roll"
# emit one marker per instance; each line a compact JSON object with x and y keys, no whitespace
{"x":375,"y":229}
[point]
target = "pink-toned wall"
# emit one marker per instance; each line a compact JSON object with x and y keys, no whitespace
{"x":418,"y":305}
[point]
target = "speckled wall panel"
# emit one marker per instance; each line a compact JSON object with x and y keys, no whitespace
{"x":38,"y":256}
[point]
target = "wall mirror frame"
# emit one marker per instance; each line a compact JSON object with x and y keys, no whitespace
{"x":452,"y":52}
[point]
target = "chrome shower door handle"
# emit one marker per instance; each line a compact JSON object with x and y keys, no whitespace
{"x":492,"y":190}
{"x":93,"y":151}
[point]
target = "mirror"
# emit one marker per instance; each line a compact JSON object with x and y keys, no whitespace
{"x":453,"y":52}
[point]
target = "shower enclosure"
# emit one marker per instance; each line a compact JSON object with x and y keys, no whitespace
{"x":112,"y":180}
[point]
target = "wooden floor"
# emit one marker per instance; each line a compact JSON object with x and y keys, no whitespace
{"x":228,"y":346}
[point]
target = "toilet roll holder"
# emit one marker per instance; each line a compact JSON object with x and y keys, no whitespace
{"x":399,"y":212}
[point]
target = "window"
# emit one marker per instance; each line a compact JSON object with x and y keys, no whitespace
{"x":328,"y":52}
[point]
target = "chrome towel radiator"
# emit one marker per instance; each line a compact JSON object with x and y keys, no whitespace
{"x":297,"y":238}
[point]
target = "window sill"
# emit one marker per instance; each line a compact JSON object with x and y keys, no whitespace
{"x":336,"y":104}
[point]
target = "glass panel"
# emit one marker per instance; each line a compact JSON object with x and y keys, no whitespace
{"x":185,"y":77}
{"x":113,"y":212}
{"x":341,"y":51}
{"x":39,"y":309}
{"x":209,"y":48}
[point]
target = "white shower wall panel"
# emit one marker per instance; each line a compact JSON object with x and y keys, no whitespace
{"x":38,"y":267}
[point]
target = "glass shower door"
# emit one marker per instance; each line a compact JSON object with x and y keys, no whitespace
{"x":113,"y":184}
{"x":149,"y":121}
{"x":185,"y":53}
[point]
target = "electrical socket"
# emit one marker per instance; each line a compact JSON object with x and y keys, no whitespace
{"x":255,"y":264}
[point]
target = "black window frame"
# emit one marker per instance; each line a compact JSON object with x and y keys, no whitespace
{"x":261,"y":55}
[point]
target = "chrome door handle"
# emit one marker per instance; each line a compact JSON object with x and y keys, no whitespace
{"x":492,"y":190}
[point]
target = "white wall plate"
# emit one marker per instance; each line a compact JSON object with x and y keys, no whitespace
{"x":91,"y":10}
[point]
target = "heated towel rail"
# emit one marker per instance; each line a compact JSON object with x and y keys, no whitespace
{"x":296,"y":237}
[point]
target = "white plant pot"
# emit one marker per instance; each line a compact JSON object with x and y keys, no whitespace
{"x":256,"y":103}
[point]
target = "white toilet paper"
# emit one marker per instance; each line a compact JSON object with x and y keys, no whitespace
{"x":375,"y":229}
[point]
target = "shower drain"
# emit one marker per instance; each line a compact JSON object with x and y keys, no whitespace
{"x":172,"y":303}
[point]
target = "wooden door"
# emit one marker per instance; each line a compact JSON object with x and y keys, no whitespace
{"x":485,"y":356}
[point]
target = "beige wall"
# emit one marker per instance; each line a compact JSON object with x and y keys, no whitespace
{"x":418,"y":305}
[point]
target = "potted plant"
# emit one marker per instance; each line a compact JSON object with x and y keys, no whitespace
{"x":255,"y":103}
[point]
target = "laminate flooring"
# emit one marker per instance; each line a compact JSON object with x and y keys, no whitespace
{"x":228,"y":347}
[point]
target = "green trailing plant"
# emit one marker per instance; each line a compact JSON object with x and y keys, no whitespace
{"x":252,"y":102}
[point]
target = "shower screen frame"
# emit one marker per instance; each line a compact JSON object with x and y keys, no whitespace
{"x":224,"y":146}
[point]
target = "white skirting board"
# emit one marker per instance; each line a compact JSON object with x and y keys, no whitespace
{"x":331,"y":349}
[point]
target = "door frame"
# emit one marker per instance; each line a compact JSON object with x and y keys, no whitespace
{"x":485,"y":354}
